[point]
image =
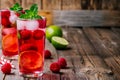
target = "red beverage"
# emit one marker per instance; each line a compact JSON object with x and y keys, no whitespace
{"x":31,"y":38}
{"x":9,"y":33}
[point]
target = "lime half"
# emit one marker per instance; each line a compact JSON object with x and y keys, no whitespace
{"x":59,"y":42}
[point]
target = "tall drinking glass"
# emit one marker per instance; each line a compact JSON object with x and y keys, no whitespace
{"x":31,"y":38}
{"x":9,"y":34}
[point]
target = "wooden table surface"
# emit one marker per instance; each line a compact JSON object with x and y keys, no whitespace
{"x":93,"y":54}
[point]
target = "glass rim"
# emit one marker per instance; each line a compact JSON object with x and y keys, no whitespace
{"x":43,"y":18}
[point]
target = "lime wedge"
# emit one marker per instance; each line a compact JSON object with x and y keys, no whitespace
{"x":59,"y":42}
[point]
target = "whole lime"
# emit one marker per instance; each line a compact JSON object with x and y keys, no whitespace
{"x":53,"y":30}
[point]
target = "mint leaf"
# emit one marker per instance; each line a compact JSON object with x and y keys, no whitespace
{"x":32,"y":13}
{"x":16,"y":7}
{"x":34,"y":8}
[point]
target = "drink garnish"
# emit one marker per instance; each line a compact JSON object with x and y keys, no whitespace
{"x":17,"y":8}
{"x":31,"y":13}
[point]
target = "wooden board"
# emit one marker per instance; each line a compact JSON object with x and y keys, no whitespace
{"x":87,"y":18}
{"x":104,"y":49}
{"x":92,"y":54}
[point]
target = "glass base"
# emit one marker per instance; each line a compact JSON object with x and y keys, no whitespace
{"x":15,"y":57}
{"x":32,"y":75}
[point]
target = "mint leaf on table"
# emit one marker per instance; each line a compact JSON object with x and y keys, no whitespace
{"x":32,"y":13}
{"x":16,"y":7}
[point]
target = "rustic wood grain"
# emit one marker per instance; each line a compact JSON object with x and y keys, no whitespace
{"x":114,"y":44}
{"x":6,"y":3}
{"x":86,"y":17}
{"x":17,"y":1}
{"x":66,"y":4}
{"x":110,"y":38}
{"x":96,"y":4}
{"x":116,"y":31}
{"x":92,"y":61}
{"x":70,"y":4}
{"x":27,"y":3}
{"x":103,"y":50}
{"x":85,"y":4}
{"x":112,"y":4}
{"x":51,"y":4}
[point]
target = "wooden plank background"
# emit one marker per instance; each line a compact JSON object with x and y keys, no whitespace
{"x":66,"y":4}
{"x":87,"y":18}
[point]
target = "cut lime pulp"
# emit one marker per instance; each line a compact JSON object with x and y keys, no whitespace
{"x":59,"y":42}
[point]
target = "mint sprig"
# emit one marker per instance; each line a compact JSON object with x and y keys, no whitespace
{"x":32,"y":13}
{"x":16,"y":7}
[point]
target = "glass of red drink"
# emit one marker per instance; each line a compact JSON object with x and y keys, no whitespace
{"x":9,"y":34}
{"x":31,"y":41}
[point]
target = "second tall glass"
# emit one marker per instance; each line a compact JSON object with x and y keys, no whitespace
{"x":31,"y":38}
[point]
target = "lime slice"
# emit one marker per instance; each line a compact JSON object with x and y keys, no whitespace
{"x":59,"y":42}
{"x":9,"y":43}
{"x":30,"y":60}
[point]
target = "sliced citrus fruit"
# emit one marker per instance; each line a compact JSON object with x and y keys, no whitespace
{"x":59,"y":42}
{"x":30,"y":60}
{"x":9,"y":43}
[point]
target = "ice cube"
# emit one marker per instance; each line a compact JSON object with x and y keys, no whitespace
{"x":21,"y":24}
{"x":13,"y":17}
{"x":32,"y":25}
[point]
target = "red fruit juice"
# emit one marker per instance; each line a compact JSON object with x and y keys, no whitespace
{"x":31,"y":38}
{"x":9,"y":33}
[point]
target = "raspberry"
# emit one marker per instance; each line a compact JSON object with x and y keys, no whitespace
{"x":5,"y":18}
{"x":47,"y":54}
{"x":6,"y":68}
{"x":5,"y":13}
{"x":5,"y":22}
{"x":22,"y":11}
{"x":62,"y":62}
{"x":26,"y":34}
{"x":18,"y":14}
{"x":27,"y":46}
{"x":55,"y":67}
{"x":38,"y":34}
{"x":42,"y":23}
